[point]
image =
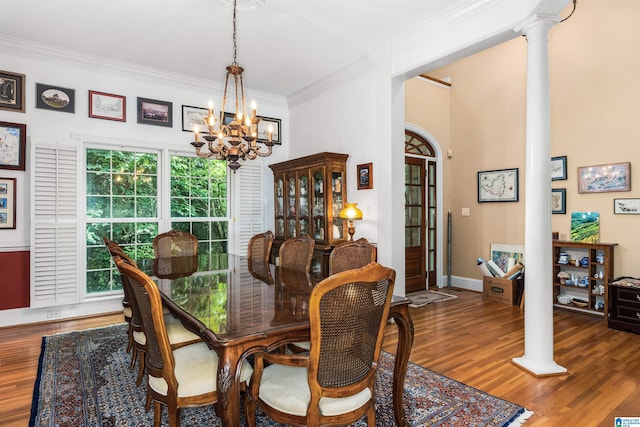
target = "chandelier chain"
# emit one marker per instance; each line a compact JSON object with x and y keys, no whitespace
{"x":235,"y":41}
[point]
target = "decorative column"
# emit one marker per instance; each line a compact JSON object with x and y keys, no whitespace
{"x":538,"y":292}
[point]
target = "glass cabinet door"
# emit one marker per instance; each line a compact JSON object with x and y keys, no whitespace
{"x":291,"y":208}
{"x":337,"y":191}
{"x":318,"y":205}
{"x":303,"y":208}
{"x":279,"y":208}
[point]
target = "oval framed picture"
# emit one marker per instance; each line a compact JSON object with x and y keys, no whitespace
{"x":55,"y":98}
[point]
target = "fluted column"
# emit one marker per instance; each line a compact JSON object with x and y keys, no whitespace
{"x":538,"y":293}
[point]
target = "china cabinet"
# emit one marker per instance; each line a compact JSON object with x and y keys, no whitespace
{"x":581,"y":276}
{"x":309,"y":193}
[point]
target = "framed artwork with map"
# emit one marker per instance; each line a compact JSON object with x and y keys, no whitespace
{"x":499,"y":185}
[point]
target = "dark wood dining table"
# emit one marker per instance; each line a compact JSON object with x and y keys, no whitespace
{"x":238,"y":308}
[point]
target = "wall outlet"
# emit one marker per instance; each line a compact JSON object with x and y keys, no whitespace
{"x":466,"y":212}
{"x":53,"y":314}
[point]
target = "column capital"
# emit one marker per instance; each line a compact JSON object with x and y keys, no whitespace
{"x":536,"y":22}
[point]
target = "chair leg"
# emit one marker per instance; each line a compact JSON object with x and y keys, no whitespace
{"x":147,"y":403}
{"x":371,"y":416}
{"x":141,"y":367}
{"x":250,"y":410}
{"x":174,"y":416}
{"x":157,"y":414}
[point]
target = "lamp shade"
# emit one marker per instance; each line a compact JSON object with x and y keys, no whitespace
{"x":351,"y":211}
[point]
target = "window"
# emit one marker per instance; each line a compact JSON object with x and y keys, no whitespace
{"x":199,"y":201}
{"x":122,"y":203}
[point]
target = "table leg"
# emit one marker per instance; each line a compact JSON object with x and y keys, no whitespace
{"x":402,"y":318}
{"x":228,"y":405}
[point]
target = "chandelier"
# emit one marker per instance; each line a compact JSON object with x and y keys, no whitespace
{"x":235,"y":139}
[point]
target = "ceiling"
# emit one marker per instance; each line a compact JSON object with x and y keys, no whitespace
{"x":284,"y":45}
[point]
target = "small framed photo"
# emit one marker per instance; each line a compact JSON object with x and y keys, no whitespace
{"x":228,"y":118}
{"x":13,"y":142}
{"x":55,"y":98}
{"x":154,"y":112}
{"x":558,"y":200}
{"x":604,"y":178}
{"x":194,"y":116}
{"x":7,"y":203}
{"x":263,"y":130}
{"x":12,"y":91}
{"x":365,"y":176}
{"x":626,"y":206}
{"x":558,"y":168}
{"x":499,"y":185}
{"x":107,"y":106}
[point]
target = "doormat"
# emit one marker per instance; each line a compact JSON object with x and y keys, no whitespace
{"x":422,"y":298}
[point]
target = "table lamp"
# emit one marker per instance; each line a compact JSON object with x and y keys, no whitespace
{"x":350,"y":212}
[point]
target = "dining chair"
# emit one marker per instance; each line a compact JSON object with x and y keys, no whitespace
{"x":175,"y":243}
{"x":179,"y":336}
{"x":346,"y":256}
{"x":350,"y":255}
{"x":259,"y":247}
{"x":296,"y":253}
{"x":115,"y":249}
{"x":177,"y":377}
{"x":334,"y":382}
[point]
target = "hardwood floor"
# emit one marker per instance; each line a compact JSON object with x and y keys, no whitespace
{"x":467,"y":339}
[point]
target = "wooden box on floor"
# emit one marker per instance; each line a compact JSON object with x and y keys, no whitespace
{"x":501,"y":290}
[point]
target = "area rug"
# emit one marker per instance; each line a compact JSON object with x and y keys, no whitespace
{"x":84,"y":380}
{"x":422,"y":298}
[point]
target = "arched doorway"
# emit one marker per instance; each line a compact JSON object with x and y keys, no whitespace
{"x":421,"y":208}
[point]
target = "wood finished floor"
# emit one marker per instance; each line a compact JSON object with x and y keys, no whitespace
{"x":467,"y":339}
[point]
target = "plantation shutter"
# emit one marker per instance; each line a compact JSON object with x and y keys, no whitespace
{"x":54,"y":224}
{"x":250,"y":208}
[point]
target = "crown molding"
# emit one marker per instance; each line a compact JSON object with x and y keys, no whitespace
{"x":46,"y":53}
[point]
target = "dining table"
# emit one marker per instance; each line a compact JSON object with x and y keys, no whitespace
{"x":240,"y":307}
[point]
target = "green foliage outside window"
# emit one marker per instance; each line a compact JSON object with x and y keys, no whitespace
{"x":122,"y":205}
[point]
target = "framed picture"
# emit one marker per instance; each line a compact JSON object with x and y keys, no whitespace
{"x":263,"y":130}
{"x":585,"y":227}
{"x":13,"y":142}
{"x":365,"y":176}
{"x":154,"y":112}
{"x":558,"y":200}
{"x":55,"y":98}
{"x":604,"y":178}
{"x":228,"y":118}
{"x":498,"y":185}
{"x":558,"y":168}
{"x":194,"y":116}
{"x":626,"y":206}
{"x":7,"y":203}
{"x":107,"y":106}
{"x":12,"y":91}
{"x":500,"y":254}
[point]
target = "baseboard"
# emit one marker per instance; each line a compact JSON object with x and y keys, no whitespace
{"x":465,"y":283}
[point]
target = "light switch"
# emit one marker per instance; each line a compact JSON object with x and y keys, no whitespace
{"x":466,"y":212}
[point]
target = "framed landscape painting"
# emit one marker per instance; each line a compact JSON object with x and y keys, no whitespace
{"x":604,"y":178}
{"x":154,"y":112}
{"x":55,"y":98}
{"x":585,"y":227}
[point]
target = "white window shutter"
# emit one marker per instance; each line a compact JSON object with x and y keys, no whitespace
{"x":54,"y":224}
{"x":250,"y":208}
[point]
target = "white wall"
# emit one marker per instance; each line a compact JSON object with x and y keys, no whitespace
{"x":68,"y":70}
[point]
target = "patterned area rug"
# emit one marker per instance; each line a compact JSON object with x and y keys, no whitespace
{"x":84,"y":380}
{"x":422,"y":298}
